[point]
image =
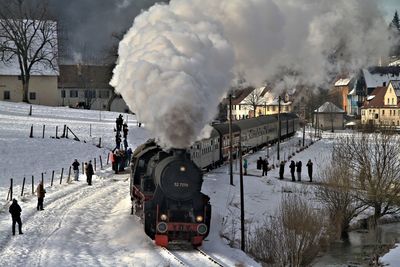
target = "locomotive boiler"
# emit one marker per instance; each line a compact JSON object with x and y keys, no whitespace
{"x":165,"y":193}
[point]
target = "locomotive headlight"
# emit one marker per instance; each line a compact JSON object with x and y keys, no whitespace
{"x":162,"y":227}
{"x":199,"y":218}
{"x":163,"y":217}
{"x":183,"y":168}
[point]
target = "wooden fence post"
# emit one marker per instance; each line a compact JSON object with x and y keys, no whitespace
{"x":33,"y":182}
{"x":94,"y":164}
{"x":99,"y":145}
{"x":69,"y":175}
{"x":23,"y":186}
{"x":101,"y":162}
{"x":57,"y":131}
{"x":62,"y":172}
{"x":52,"y":178}
{"x":11,"y":188}
{"x":108,"y":157}
{"x":44,"y":128}
{"x":30,"y":110}
{"x":42,"y":179}
{"x":83,"y":168}
{"x":31,"y":134}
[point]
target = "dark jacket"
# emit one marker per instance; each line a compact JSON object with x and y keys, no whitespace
{"x":15,"y":209}
{"x":292,"y":166}
{"x":75,"y":165}
{"x":265,"y":165}
{"x":309,"y":166}
{"x":298,"y":166}
{"x":89,"y":169}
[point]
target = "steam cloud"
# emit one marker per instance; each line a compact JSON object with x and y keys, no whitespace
{"x":178,"y":60}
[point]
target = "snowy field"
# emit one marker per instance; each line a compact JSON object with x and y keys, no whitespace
{"x":92,"y":226}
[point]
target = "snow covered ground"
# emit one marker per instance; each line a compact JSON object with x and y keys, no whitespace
{"x":91,"y":225}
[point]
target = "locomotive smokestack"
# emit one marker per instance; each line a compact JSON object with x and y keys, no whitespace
{"x":179,"y":152}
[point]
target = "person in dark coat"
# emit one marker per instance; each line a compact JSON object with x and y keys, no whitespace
{"x":117,"y":141}
{"x":117,"y":159}
{"x":259,"y":163}
{"x":15,"y":211}
{"x":119,"y":121}
{"x":89,"y":172}
{"x":125,"y":130}
{"x":245,"y":166}
{"x":310,"y":169}
{"x":265,"y":167}
{"x":75,"y":167}
{"x":298,"y":170}
{"x":281,"y":169}
{"x":292,"y":167}
{"x":41,"y":192}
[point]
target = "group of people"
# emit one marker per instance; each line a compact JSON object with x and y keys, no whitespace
{"x":121,"y":155}
{"x":262,"y":164}
{"x":88,"y":171}
{"x":296,"y":167}
{"x":15,"y":209}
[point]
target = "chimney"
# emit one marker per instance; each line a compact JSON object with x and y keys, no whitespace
{"x":384,"y":83}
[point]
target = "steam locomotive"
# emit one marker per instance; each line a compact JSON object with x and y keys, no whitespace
{"x":165,"y":190}
{"x":165,"y":185}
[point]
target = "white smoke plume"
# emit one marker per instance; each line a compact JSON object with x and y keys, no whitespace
{"x":178,"y":60}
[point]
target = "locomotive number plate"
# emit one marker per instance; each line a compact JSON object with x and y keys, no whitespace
{"x":181,"y":184}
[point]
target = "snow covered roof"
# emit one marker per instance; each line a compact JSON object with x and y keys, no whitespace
{"x":395,"y":84}
{"x":395,"y":63}
{"x":353,"y":92}
{"x":11,"y":68}
{"x":342,"y":82}
{"x":329,"y":107}
{"x":380,"y":76}
{"x":370,"y":97}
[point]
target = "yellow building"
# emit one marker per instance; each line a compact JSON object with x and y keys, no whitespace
{"x":42,"y":89}
{"x":382,"y":107}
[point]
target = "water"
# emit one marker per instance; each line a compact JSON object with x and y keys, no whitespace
{"x":360,"y":246}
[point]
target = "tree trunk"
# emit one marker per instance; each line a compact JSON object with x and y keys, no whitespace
{"x":113,"y":96}
{"x":25,"y":89}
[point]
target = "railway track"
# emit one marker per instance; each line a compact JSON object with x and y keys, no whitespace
{"x":187,"y":256}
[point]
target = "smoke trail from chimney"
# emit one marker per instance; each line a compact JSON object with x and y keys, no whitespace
{"x":178,"y":60}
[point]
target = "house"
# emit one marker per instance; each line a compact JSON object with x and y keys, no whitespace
{"x":366,"y":81}
{"x":252,"y":102}
{"x":382,"y":106}
{"x":88,"y":86}
{"x":329,"y":117}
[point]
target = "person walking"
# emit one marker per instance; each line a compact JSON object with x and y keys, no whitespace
{"x":298,"y":170}
{"x":259,"y":164}
{"x":310,"y":169}
{"x":119,"y":121}
{"x":41,"y":192}
{"x":15,"y":211}
{"x":292,"y":167}
{"x":125,"y":130}
{"x":245,"y":166}
{"x":75,"y":167}
{"x":281,"y":169}
{"x":265,"y":164}
{"x":89,"y":172}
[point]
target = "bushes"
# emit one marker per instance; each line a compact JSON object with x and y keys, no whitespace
{"x":293,"y":237}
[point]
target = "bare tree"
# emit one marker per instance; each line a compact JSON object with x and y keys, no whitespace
{"x":338,"y":197}
{"x":28,"y":37}
{"x":293,"y":237}
{"x":254,"y":99}
{"x":374,"y":167}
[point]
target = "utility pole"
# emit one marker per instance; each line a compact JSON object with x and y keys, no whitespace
{"x":242,"y":243}
{"x":230,"y":141}
{"x":279,"y":125}
{"x":304,"y":131}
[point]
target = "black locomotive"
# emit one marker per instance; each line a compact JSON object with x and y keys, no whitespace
{"x":165,"y":192}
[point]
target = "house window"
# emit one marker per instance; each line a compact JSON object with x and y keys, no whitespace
{"x":6,"y":95}
{"x":62,"y":93}
{"x":73,"y":93}
{"x":383,"y":112}
{"x":388,"y":101}
{"x":392,"y":101}
{"x":32,"y":95}
{"x":239,"y":107}
{"x":90,"y":94}
{"x":376,"y":116}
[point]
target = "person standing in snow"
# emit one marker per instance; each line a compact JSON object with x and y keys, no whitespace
{"x":265,"y":167}
{"x":298,"y":170}
{"x":281,"y":169}
{"x":310,"y":169}
{"x":125,"y":130}
{"x":119,"y":121}
{"x":245,"y":166}
{"x":75,"y":167}
{"x":89,"y":172}
{"x":15,"y":211}
{"x":292,"y":167}
{"x":41,"y":192}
